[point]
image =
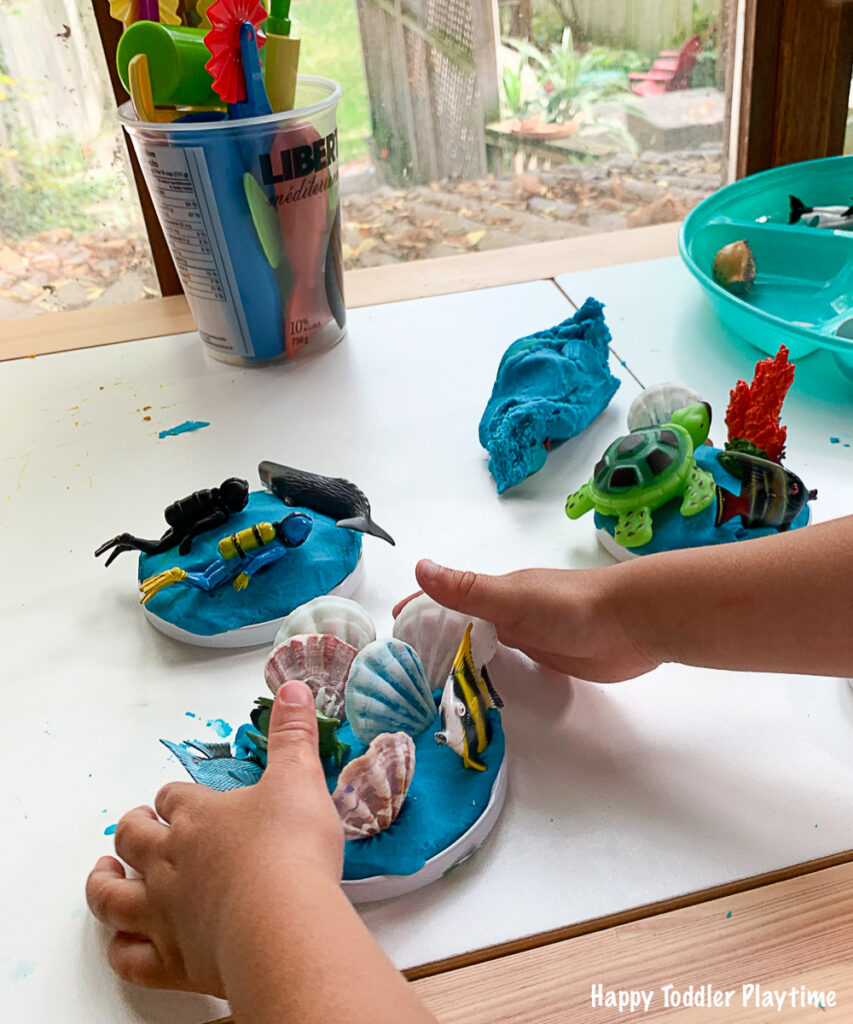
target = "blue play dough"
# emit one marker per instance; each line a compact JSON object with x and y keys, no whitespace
{"x":443,"y":802}
{"x":328,"y":556}
{"x":673,"y":531}
{"x":549,"y":387}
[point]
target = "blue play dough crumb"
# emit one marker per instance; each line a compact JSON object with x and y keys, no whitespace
{"x":110,"y":830}
{"x":328,"y":556}
{"x":183,"y":428}
{"x":834,"y":440}
{"x":549,"y":387}
{"x":22,"y":970}
{"x":220,"y":727}
{"x":673,"y":531}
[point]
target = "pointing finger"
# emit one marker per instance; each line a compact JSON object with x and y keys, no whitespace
{"x":486,"y":597}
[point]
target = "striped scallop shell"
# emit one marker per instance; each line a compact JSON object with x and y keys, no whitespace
{"x":436,"y":632}
{"x":371,"y":788}
{"x":387,"y":690}
{"x":655,"y":405}
{"x":321,"y":661}
{"x":339,"y":616}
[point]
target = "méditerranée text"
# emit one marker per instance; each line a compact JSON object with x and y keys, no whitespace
{"x":752,"y":995}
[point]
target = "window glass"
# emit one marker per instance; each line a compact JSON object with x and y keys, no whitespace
{"x":555,"y":119}
{"x":71,"y":231}
{"x":466,"y":126}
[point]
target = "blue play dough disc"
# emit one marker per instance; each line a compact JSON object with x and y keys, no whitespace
{"x":326,"y":558}
{"x":444,"y":800}
{"x":673,"y":531}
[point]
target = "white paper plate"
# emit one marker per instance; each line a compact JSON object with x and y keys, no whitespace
{"x":256,"y":633}
{"x":381,"y":887}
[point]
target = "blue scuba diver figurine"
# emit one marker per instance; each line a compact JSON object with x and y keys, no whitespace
{"x":241,"y":556}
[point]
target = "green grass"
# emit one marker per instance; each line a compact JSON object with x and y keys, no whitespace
{"x":331,"y":46}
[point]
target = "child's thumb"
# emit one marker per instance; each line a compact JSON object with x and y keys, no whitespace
{"x":292,"y":739}
{"x":470,"y":592}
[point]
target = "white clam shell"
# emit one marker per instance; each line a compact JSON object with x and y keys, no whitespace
{"x":388,"y":690}
{"x":371,"y":789}
{"x":656,"y":404}
{"x":339,"y":616}
{"x":436,"y":632}
{"x":320,"y":660}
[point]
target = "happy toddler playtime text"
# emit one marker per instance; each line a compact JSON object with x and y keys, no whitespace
{"x":708,"y":997}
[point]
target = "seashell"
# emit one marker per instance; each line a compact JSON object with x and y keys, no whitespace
{"x":436,"y":632}
{"x":387,"y":690}
{"x":322,"y":661}
{"x":339,"y":616}
{"x":734,"y":267}
{"x":371,"y":788}
{"x":654,"y":406}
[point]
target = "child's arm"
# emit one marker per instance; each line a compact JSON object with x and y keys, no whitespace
{"x":778,"y":604}
{"x":239,"y":894}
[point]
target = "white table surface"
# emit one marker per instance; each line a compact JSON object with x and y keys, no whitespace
{"x":618,"y":795}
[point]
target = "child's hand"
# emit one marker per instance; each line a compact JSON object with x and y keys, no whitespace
{"x":577,"y":622}
{"x":215,"y":857}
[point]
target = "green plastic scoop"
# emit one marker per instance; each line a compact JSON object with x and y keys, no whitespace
{"x":176,"y":58}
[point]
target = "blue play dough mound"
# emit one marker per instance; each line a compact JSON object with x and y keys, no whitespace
{"x":443,"y":802}
{"x":327,"y":557}
{"x":549,"y":387}
{"x":673,"y":531}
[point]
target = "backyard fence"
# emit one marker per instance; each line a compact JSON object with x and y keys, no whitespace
{"x":433,"y":83}
{"x":47,"y":48}
{"x":639,"y":24}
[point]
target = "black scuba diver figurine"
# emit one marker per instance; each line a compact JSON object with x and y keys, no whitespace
{"x":187,"y":518}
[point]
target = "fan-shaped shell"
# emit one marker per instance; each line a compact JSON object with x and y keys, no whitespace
{"x":655,"y":405}
{"x":435,"y":633}
{"x":321,"y":661}
{"x":387,"y":690}
{"x":371,"y":788}
{"x":339,"y":616}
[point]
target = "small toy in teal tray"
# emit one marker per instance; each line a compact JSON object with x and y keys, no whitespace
{"x":661,"y":488}
{"x":802,"y":295}
{"x":549,"y":387}
{"x":280,"y":550}
{"x":409,"y":809}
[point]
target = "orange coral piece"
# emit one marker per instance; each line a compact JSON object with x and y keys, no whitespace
{"x":753,"y":412}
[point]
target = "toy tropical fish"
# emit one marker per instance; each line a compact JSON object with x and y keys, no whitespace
{"x":836,"y":218}
{"x":467,"y":697}
{"x":770,"y":495}
{"x":214,"y":766}
{"x":331,"y":495}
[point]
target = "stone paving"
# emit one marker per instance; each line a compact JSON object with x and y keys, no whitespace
{"x":60,"y":270}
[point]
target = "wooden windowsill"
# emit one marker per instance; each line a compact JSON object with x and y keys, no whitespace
{"x":155,"y":318}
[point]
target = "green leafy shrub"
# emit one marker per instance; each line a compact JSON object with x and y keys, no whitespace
{"x":569,"y":83}
{"x":47,"y":186}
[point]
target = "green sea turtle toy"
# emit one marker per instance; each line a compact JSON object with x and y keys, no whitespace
{"x":645,"y":469}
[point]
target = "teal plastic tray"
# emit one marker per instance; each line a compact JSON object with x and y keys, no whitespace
{"x":803,"y":291}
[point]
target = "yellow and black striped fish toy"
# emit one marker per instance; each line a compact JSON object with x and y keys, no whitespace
{"x":467,"y":697}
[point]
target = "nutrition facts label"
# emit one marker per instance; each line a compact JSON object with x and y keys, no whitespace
{"x":183,"y":196}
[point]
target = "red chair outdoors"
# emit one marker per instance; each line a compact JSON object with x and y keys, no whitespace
{"x":671,"y":70}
